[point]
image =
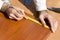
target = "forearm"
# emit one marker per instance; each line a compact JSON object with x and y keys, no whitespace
{"x":40,"y":5}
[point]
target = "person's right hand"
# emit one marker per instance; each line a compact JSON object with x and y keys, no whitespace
{"x":15,"y":13}
{"x":52,"y":21}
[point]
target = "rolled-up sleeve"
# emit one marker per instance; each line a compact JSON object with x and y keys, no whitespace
{"x":40,"y":5}
{"x":1,"y":3}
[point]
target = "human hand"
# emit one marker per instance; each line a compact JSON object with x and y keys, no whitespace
{"x":15,"y":13}
{"x":53,"y":23}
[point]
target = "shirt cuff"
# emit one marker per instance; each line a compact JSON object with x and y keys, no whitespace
{"x":1,"y":3}
{"x":7,"y":2}
{"x":40,"y":5}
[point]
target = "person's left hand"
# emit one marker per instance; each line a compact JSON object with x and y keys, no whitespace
{"x":53,"y":23}
{"x":15,"y":13}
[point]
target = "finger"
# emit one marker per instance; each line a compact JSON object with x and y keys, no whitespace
{"x":15,"y":13}
{"x":42,"y":20}
{"x":23,"y":14}
{"x":20,"y":11}
{"x":18,"y":15}
{"x":11,"y":17}
{"x":55,"y":25}
{"x":51,"y":23}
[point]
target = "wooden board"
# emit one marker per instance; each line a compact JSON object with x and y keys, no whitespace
{"x":21,"y":30}
{"x":56,"y":4}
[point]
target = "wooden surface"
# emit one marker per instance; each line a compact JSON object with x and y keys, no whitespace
{"x":21,"y":30}
{"x":54,"y":3}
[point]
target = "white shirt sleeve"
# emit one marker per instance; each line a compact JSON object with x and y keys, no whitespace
{"x":40,"y":5}
{"x":1,"y":3}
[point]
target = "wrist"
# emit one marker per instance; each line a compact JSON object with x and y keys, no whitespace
{"x":8,"y":10}
{"x":4,"y":7}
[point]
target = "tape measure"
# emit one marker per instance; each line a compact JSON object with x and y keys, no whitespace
{"x":33,"y":20}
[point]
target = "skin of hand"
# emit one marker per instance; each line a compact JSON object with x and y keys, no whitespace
{"x":53,"y":23}
{"x":18,"y":14}
{"x":13,"y":12}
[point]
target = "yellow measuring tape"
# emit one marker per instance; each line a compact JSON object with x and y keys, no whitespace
{"x":33,"y":20}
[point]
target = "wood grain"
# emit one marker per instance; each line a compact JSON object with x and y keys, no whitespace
{"x":21,"y":30}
